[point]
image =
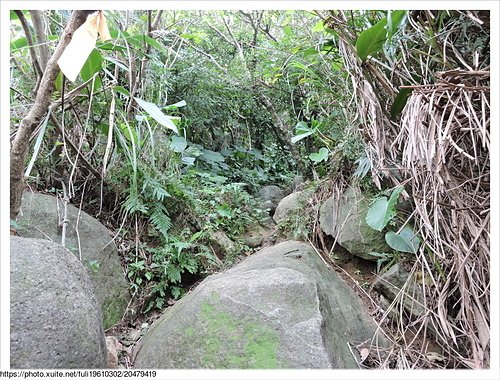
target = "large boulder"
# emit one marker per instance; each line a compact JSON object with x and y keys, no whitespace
{"x":55,"y":319}
{"x":39,"y":218}
{"x":345,"y":221}
{"x":292,"y":204}
{"x":279,"y":308}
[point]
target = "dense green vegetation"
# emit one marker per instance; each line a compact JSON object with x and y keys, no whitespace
{"x":184,"y":115}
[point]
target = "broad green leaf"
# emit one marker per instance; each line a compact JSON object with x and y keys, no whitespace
{"x":224,"y":211}
{"x":136,"y":40}
{"x":129,"y":133}
{"x":322,"y":155}
{"x":376,"y":215}
{"x":302,"y":131}
{"x":211,"y":157}
{"x":92,"y":65}
{"x":288,"y":30}
{"x":405,"y":241}
{"x":393,"y":199}
{"x":383,"y":210}
{"x":400,"y":102}
{"x":121,"y":90}
{"x":178,"y":143}
{"x":22,"y":42}
{"x":371,"y":40}
{"x":19,"y":43}
{"x":309,"y":51}
{"x":157,"y":114}
{"x":153,"y":42}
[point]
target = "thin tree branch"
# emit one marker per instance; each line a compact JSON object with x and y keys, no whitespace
{"x":31,"y":48}
{"x":41,"y":39}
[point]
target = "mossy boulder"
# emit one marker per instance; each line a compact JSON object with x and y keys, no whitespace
{"x":279,"y":308}
{"x":88,"y":239}
{"x":55,"y":319}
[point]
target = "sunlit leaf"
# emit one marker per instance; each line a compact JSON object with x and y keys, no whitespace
{"x":178,"y":143}
{"x":302,"y":131}
{"x":188,"y":160}
{"x":383,"y":210}
{"x":19,"y":43}
{"x":58,"y":82}
{"x":319,"y":27}
{"x":321,"y":155}
{"x":181,"y":103}
{"x":157,"y":114}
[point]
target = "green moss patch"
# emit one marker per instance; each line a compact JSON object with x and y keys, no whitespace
{"x":112,"y":311}
{"x":230,"y":342}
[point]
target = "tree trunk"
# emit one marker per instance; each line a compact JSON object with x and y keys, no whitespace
{"x":28,"y":124}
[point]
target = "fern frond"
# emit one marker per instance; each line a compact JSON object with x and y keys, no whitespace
{"x":160,"y":219}
{"x":159,"y":193}
{"x":134,"y":203}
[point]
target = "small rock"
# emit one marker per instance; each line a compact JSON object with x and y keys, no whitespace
{"x":296,"y":184}
{"x":135,"y":335}
{"x":268,"y":206}
{"x":390,"y":285}
{"x":271,"y":193}
{"x":253,"y":241}
{"x":112,"y":345}
{"x":225,"y":244}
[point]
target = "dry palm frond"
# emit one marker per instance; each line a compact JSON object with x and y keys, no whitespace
{"x":444,"y":140}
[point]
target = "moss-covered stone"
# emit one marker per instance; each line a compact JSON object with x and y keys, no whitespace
{"x":112,"y":311}
{"x":236,"y":343}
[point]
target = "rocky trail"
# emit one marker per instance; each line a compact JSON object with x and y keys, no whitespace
{"x":282,"y":304}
